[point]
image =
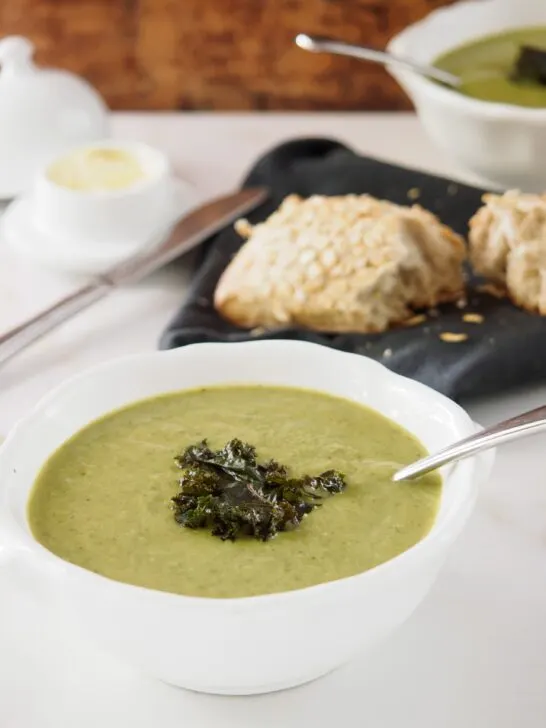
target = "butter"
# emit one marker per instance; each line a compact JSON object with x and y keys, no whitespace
{"x":96,"y":169}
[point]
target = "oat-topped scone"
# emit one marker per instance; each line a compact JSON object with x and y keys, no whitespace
{"x":508,"y":245}
{"x":351,"y":263}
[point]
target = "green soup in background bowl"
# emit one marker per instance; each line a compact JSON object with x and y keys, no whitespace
{"x":487,"y":67}
{"x":233,"y":644}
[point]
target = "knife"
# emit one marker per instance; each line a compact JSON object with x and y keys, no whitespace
{"x":191,"y":230}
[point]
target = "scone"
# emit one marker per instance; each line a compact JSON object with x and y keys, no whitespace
{"x":339,"y":264}
{"x":508,"y":246}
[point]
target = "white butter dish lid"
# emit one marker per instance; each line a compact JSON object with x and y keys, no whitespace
{"x":43,"y":112}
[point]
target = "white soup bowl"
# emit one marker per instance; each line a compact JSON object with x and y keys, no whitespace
{"x":244,"y":645}
{"x":503,"y":144}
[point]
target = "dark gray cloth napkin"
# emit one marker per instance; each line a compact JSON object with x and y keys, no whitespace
{"x":507,"y":349}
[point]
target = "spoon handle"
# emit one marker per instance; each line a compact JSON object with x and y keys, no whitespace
{"x":528,"y":423}
{"x":322,"y":44}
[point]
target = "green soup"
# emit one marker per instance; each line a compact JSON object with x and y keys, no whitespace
{"x":485,"y":66}
{"x":102,"y":500}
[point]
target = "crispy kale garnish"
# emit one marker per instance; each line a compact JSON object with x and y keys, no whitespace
{"x":530,"y":65}
{"x":230,"y":493}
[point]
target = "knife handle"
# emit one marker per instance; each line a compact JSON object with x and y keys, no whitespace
{"x":18,"y":338}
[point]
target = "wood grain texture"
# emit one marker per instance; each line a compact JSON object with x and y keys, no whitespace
{"x":217,"y":54}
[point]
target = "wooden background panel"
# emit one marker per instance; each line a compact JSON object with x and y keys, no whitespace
{"x":216,"y":54}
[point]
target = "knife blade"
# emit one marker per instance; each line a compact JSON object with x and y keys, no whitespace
{"x":189,"y":232}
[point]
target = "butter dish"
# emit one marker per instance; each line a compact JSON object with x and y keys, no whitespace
{"x":94,"y":206}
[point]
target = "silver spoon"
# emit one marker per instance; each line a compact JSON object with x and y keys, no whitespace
{"x":528,"y":423}
{"x":322,"y":44}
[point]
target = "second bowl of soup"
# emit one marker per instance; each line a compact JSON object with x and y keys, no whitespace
{"x":492,"y":127}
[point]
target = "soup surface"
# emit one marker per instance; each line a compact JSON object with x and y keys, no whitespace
{"x":102,"y":501}
{"x":485,"y":66}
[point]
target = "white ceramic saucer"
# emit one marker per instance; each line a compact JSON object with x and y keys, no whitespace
{"x":25,"y":238}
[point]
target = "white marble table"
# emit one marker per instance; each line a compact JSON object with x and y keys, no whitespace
{"x":473,"y":656}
